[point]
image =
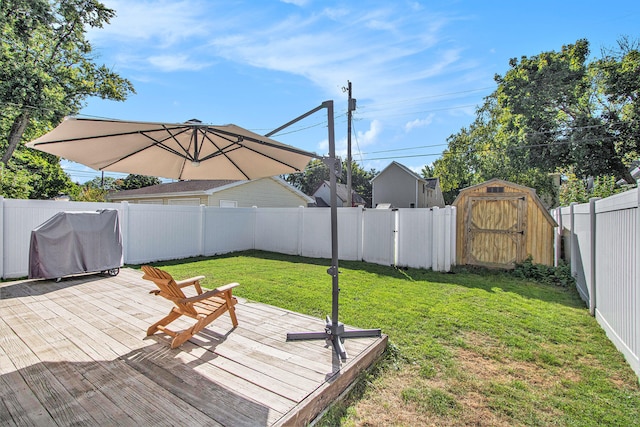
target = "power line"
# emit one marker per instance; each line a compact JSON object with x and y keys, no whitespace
{"x":412,"y":100}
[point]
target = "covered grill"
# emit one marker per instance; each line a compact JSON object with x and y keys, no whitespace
{"x":74,"y":243}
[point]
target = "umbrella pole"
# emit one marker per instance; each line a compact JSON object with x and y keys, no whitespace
{"x":334,"y":329}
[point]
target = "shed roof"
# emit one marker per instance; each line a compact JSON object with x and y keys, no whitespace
{"x":524,"y":189}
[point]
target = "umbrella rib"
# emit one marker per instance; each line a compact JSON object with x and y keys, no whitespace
{"x":109,"y":135}
{"x":239,"y":145}
{"x":223,"y":151}
{"x":156,"y":143}
{"x":283,"y":147}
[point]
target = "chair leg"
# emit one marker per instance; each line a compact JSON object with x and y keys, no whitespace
{"x":163,"y":322}
{"x":231,"y":302}
{"x":183,"y":336}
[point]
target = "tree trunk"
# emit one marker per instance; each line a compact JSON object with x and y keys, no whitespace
{"x":15,"y":135}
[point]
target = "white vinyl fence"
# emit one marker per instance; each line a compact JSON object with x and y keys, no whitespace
{"x":419,"y":238}
{"x":602,"y":240}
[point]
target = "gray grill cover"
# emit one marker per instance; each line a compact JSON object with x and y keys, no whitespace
{"x":74,"y":243}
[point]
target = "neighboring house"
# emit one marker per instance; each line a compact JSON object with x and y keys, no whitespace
{"x":264,"y":193}
{"x":635,"y":173}
{"x":322,"y":196}
{"x":400,"y":187}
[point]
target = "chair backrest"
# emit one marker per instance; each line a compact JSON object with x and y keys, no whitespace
{"x":168,"y":287}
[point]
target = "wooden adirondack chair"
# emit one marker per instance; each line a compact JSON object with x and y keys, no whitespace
{"x":204,"y":307}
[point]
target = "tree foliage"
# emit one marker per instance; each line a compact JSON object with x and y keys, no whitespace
{"x":133,"y":181}
{"x":47,"y":72}
{"x":316,"y":172}
{"x":551,"y":112}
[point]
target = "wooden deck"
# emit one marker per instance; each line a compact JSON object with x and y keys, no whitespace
{"x":75,"y":353}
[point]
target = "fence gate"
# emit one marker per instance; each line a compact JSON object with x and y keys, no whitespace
{"x":495,"y":228}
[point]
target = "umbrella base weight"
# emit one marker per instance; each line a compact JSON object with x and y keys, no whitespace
{"x":335,"y":333}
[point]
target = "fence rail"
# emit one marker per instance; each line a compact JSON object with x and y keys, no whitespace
{"x":420,"y":238}
{"x":602,"y":241}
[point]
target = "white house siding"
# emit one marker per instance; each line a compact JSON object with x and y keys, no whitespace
{"x":395,"y":187}
{"x":186,"y":201}
{"x":324,"y":192}
{"x":264,"y":193}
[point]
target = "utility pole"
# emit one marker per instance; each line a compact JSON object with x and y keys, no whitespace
{"x":351,"y":106}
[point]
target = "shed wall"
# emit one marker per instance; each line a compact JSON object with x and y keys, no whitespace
{"x":538,"y":230}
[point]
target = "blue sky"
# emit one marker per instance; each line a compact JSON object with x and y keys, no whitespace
{"x":418,"y":69}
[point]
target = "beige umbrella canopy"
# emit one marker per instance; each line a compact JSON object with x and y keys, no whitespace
{"x":194,"y":150}
{"x":190,"y":150}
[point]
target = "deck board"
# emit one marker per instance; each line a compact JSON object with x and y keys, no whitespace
{"x":75,"y":353}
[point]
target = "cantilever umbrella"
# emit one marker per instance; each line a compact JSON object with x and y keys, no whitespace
{"x":194,"y":150}
{"x":190,"y":150}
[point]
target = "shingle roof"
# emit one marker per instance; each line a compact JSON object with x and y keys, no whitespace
{"x":174,"y":187}
{"x":342,"y":192}
{"x":432,"y":182}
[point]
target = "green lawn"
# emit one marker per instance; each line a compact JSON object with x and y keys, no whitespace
{"x":465,"y":348}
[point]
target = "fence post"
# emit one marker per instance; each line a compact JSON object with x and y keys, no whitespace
{"x":447,"y":238}
{"x":395,"y":213}
{"x":573,"y":238}
{"x":454,"y":235}
{"x":360,"y":222}
{"x":203,"y":231}
{"x":435,"y":239}
{"x":637,"y":278}
{"x":557,"y":250}
{"x":124,"y":229}
{"x":300,"y":229}
{"x":1,"y":237}
{"x":592,"y":255}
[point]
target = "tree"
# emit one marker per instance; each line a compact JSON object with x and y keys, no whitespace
{"x":551,"y":112}
{"x":133,"y":181}
{"x":316,"y":172}
{"x":107,"y":183}
{"x":571,"y":112}
{"x":91,"y":194}
{"x":46,"y":65}
{"x":32,"y":174}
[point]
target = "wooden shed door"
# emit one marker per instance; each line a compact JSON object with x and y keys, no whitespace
{"x":496,"y":230}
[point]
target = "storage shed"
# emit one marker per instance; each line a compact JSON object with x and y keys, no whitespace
{"x":500,"y":223}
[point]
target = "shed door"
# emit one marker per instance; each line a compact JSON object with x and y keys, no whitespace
{"x":496,"y":230}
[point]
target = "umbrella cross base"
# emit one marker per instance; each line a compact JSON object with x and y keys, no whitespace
{"x":334,"y":332}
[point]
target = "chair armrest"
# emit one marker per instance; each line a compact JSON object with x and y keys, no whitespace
{"x":189,"y":281}
{"x":211,"y":293}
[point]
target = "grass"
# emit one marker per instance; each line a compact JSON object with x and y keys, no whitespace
{"x":469,"y":348}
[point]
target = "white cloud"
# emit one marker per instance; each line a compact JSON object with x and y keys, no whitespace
{"x":358,"y":141}
{"x":371,"y":135}
{"x":165,"y":22}
{"x":419,"y":123}
{"x":390,"y":52}
{"x":170,"y":63}
{"x":296,"y":2}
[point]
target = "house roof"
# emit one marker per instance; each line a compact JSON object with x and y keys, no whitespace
{"x":405,"y":169}
{"x":195,"y":187}
{"x":341,"y":192}
{"x":432,"y":182}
